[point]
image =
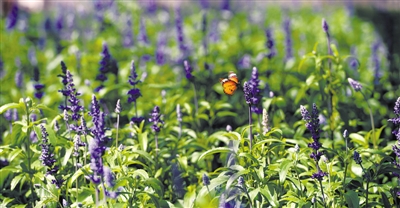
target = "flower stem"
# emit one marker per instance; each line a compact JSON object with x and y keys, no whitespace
{"x":116,"y":140}
{"x":196,"y":105}
{"x":322,"y":191}
{"x":250,"y":130}
{"x":374,"y":142}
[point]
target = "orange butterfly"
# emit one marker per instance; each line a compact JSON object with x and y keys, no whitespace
{"x":230,"y":84}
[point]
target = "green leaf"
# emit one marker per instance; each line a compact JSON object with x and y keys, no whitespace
{"x":352,"y":199}
{"x":272,"y":199}
{"x":144,"y":154}
{"x":359,"y":139}
{"x":7,"y":106}
{"x":385,"y":200}
{"x":143,"y":140}
{"x":67,"y":155}
{"x":285,"y":166}
{"x":214,"y":151}
{"x":16,"y":180}
{"x":156,"y":185}
{"x":267,"y":141}
{"x":249,"y":156}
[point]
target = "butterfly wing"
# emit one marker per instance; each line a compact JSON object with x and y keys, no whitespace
{"x":229,"y":86}
{"x":232,"y":76}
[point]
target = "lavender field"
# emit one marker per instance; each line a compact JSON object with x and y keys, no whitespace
{"x":199,"y":104}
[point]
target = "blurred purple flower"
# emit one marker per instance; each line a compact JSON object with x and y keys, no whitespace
{"x":288,"y":39}
{"x":179,"y":32}
{"x":142,"y":36}
{"x":160,"y":51}
{"x":188,"y":70}
{"x":225,"y":5}
{"x":319,"y":175}
{"x":128,"y":34}
{"x":270,"y":44}
{"x":107,"y":65}
{"x":206,"y":180}
{"x":12,"y":17}
{"x":19,"y":76}
{"x":177,"y":181}
{"x":245,"y":62}
{"x":376,"y":62}
{"x":8,"y":115}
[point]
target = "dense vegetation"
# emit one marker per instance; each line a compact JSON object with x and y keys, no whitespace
{"x":122,"y":106}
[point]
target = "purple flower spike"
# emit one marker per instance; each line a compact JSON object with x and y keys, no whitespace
{"x":357,"y":157}
{"x":325,"y":25}
{"x":12,"y":17}
{"x":134,"y":93}
{"x":156,"y":119}
{"x":354,"y":84}
{"x":188,"y":70}
{"x":270,"y":44}
{"x":288,"y":39}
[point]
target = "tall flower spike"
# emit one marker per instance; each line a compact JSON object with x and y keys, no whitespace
{"x":270,"y":44}
{"x":264,"y":122}
{"x":19,"y":77}
{"x":206,"y":180}
{"x":128,"y":34}
{"x":354,"y":84}
{"x":47,"y":157}
{"x":156,"y":119}
{"x":142,"y":36}
{"x":133,"y":93}
{"x":188,"y":70}
{"x":256,"y":95}
{"x":107,"y":65}
{"x":288,"y":39}
{"x":179,"y":31}
{"x":376,"y":62}
{"x":357,"y":157}
{"x":160,"y":51}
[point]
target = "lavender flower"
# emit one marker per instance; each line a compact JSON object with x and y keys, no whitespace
{"x":325,"y":26}
{"x":225,"y":5}
{"x":109,"y":178}
{"x":37,"y":86}
{"x":357,"y":157}
{"x":128,"y":34}
{"x":46,"y":156}
{"x":70,"y":94}
{"x":288,"y":39}
{"x":133,"y":93}
{"x":376,"y":62}
{"x":32,"y":56}
{"x":107,"y":65}
{"x":206,"y":180}
{"x":319,"y":175}
{"x":354,"y":84}
{"x":19,"y":77}
{"x":255,"y":91}
{"x":12,"y":17}
{"x":204,"y":4}
{"x":8,"y":115}
{"x":142,"y":36}
{"x":179,"y":32}
{"x":270,"y":44}
{"x":161,"y":44}
{"x":97,"y":145}
{"x":156,"y":119}
{"x":396,"y":133}
{"x":177,"y":181}
{"x":188,"y":70}
{"x":312,"y":124}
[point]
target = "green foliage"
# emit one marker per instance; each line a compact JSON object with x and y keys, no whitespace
{"x":213,"y":135}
